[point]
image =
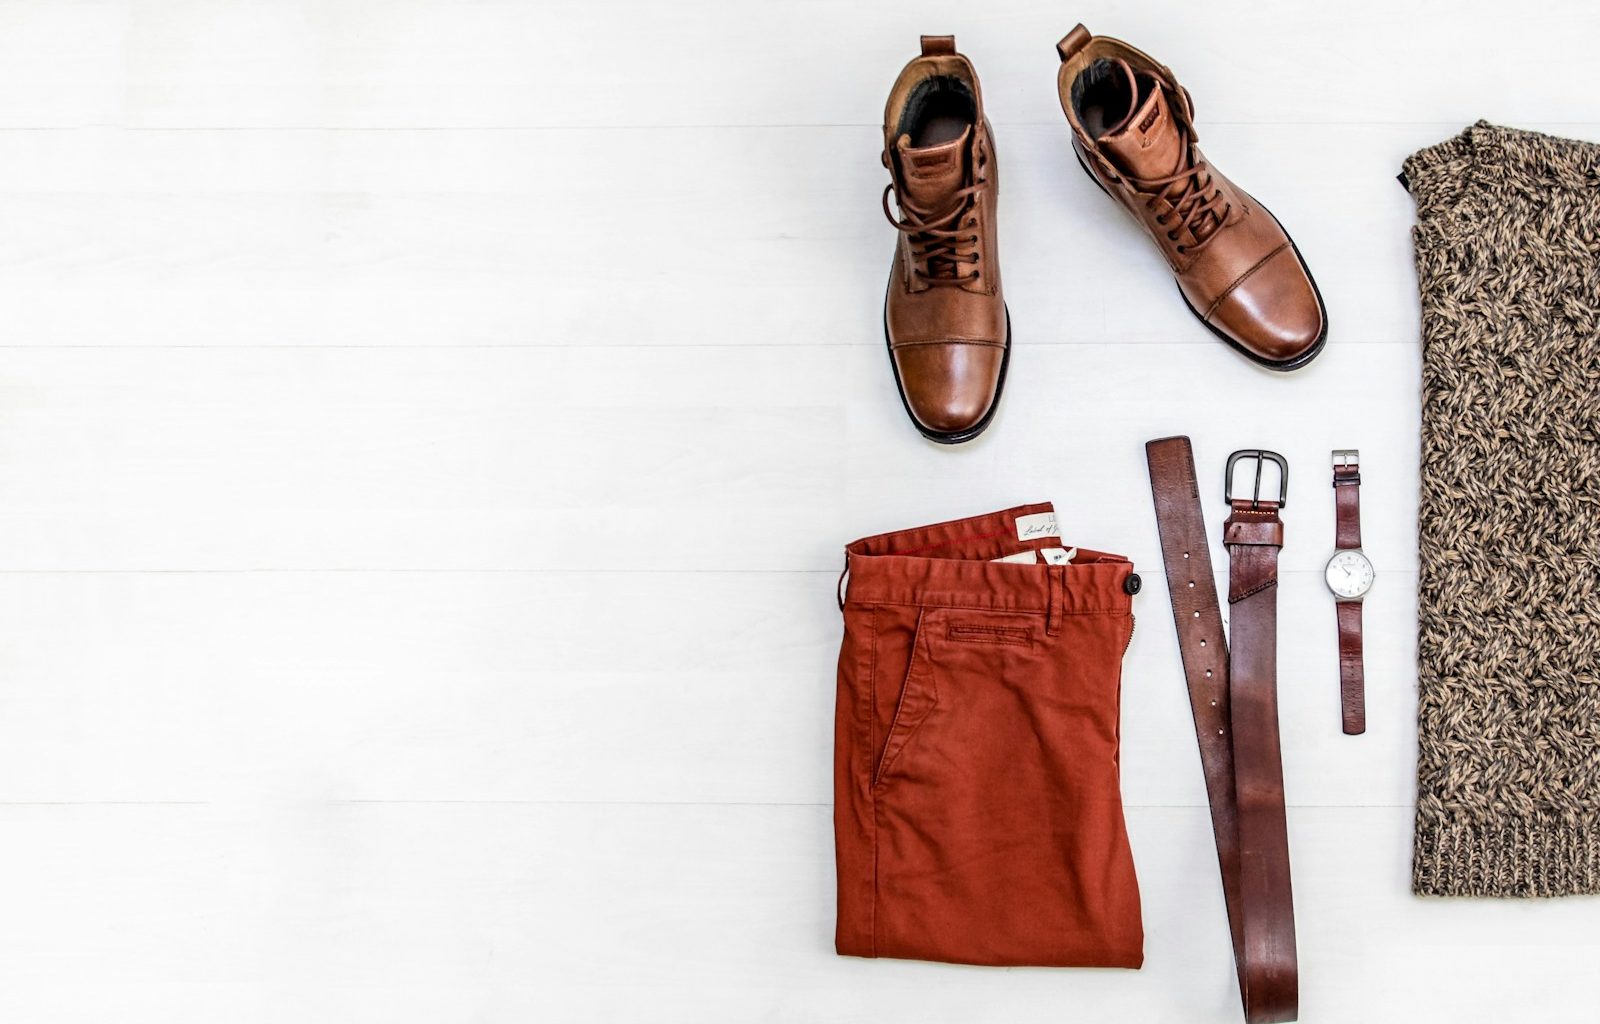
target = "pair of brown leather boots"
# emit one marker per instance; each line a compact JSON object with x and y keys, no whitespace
{"x":945,"y":316}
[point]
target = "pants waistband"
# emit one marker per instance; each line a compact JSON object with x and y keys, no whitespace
{"x":1012,"y":560}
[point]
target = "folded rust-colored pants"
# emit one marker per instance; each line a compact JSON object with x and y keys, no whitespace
{"x":977,"y":805}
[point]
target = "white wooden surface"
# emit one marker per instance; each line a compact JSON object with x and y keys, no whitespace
{"x":428,"y":431}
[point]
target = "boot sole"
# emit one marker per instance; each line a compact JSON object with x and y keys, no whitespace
{"x":958,"y":436}
{"x":1282,"y":365}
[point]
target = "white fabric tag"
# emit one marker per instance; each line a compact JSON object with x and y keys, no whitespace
{"x":1021,"y":557}
{"x":1058,"y":556}
{"x":1040,"y":524}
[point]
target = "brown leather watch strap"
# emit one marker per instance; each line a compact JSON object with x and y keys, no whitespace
{"x":1347,"y":505}
{"x":1234,"y":700}
{"x":1352,"y":696}
{"x":1347,"y":534}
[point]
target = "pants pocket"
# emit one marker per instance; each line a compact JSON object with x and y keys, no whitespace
{"x":918,"y":696}
{"x":988,"y":633}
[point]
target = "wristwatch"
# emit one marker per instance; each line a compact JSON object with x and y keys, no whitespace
{"x":1349,"y":575}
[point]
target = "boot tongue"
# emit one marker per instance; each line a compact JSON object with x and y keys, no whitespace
{"x":1146,"y":144}
{"x":930,"y":175}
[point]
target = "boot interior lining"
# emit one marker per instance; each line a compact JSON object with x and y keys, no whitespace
{"x":1102,"y":99}
{"x":938,"y":110}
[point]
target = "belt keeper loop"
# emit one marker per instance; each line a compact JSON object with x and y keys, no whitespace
{"x":1052,"y":617}
{"x":839,"y":590}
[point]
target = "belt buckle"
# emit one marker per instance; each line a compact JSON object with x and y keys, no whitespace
{"x":1346,"y":457}
{"x":1261,"y":456}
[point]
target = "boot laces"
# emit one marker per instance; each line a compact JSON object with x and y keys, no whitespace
{"x":943,"y":242}
{"x":1189,"y":199}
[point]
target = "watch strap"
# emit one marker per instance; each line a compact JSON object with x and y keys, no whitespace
{"x":1346,"y":501}
{"x":1352,"y":698}
{"x":1347,"y":536}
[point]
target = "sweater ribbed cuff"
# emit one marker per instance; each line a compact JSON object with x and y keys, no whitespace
{"x":1543,"y":855}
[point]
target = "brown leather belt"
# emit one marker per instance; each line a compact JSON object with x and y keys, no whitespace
{"x":1235,"y":703}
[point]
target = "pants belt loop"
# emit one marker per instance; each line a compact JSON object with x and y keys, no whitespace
{"x":839,"y":590}
{"x":1058,"y":581}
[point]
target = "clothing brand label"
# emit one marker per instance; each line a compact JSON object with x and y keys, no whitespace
{"x":1021,"y":557}
{"x":1036,"y":526}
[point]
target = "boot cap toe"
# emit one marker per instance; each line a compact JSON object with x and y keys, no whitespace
{"x":950,"y":386}
{"x":1273,"y":312}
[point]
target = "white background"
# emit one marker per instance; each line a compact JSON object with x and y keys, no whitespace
{"x":428,"y":432}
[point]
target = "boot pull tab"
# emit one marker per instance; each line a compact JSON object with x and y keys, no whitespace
{"x":1188,"y":102}
{"x":1072,"y":42}
{"x":938,"y":46}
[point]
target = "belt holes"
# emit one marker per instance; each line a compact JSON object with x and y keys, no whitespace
{"x":1202,"y":643}
{"x":1186,"y":554}
{"x":1191,"y":584}
{"x":1208,"y":676}
{"x":1213,"y":703}
{"x":1197,"y":614}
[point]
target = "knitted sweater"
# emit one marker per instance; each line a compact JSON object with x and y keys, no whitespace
{"x":1508,"y":262}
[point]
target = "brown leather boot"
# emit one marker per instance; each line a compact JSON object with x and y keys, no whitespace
{"x":1240,"y":273}
{"x":944,"y":317}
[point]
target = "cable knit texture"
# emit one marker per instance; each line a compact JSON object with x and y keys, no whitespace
{"x":1508,"y":261}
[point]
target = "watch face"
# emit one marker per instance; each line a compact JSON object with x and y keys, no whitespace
{"x":1349,"y":574}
